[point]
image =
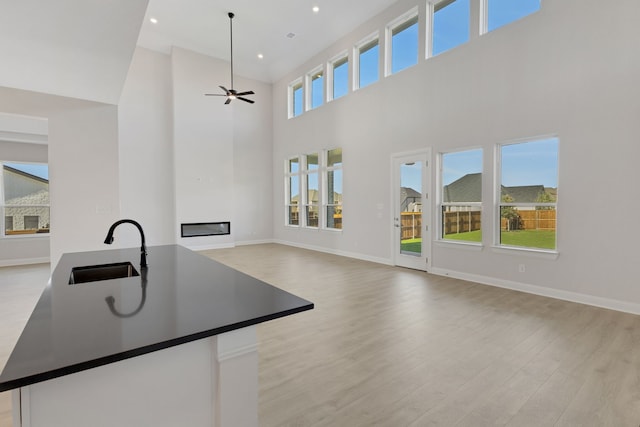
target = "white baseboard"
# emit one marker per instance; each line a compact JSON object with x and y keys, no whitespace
{"x":608,"y":303}
{"x":254,"y":242}
{"x":208,"y":247}
{"x":24,"y":261}
{"x":336,"y":252}
{"x":611,"y":304}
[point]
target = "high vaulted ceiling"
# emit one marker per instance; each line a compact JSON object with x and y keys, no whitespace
{"x":260,"y":26}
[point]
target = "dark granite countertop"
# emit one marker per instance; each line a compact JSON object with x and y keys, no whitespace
{"x":184,"y":297}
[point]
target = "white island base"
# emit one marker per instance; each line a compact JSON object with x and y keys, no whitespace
{"x":208,"y":382}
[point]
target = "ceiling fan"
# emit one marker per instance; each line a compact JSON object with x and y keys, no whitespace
{"x":231,"y":93}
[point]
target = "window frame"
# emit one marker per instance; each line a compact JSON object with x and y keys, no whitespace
{"x":498,"y":203}
{"x":404,"y":21}
{"x":484,"y":17}
{"x":310,"y":77}
{"x":293,"y":86}
{"x":343,"y":58}
{"x":4,"y":206}
{"x":325,"y":189}
{"x":442,"y":204}
{"x":306,"y":203}
{"x":432,"y":9}
{"x":287,"y":190}
{"x":368,"y":42}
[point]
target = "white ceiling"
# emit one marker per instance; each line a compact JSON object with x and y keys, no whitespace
{"x":260,"y":26}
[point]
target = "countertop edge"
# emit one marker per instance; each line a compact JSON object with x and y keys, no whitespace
{"x":91,"y":364}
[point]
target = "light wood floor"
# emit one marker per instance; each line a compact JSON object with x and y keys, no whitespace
{"x":394,"y":347}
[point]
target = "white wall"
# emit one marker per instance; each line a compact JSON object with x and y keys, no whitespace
{"x":83,"y":170}
{"x":569,"y":69}
{"x":145,"y":150}
{"x":187,"y":158}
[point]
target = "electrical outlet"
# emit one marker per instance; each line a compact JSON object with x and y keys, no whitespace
{"x":521,"y":268}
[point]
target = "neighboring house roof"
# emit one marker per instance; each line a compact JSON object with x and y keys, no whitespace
{"x":469,"y":189}
{"x":25,"y":174}
{"x":524,"y":193}
{"x":465,"y":189}
{"x":408,"y":195}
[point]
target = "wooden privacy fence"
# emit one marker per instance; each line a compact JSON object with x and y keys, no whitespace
{"x":531,"y":220}
{"x":461,"y":222}
{"x":411,"y":223}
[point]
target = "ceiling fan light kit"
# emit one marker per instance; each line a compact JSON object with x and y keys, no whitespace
{"x":231,"y":93}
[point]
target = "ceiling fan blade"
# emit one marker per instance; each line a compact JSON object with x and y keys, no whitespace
{"x":246,"y":100}
{"x":224,"y":89}
{"x":249,"y":92}
{"x":227,"y":101}
{"x":214,"y":94}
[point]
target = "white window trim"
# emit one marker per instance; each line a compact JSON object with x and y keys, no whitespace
{"x":356,"y":57}
{"x":441,"y":204}
{"x":308,"y":92}
{"x":325,"y":187}
{"x":389,"y":29}
{"x":497,"y":246}
{"x":287,"y":190}
{"x":297,"y":82}
{"x":3,"y":206}
{"x":305,"y":196}
{"x":329,"y":78}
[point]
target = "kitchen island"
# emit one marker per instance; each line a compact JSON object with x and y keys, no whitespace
{"x":174,"y":345}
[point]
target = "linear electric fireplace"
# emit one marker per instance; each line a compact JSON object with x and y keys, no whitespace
{"x":198,"y":229}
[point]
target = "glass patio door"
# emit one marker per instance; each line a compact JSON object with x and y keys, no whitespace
{"x":411,"y":210}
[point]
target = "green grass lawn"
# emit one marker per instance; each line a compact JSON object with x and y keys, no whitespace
{"x":411,"y":245}
{"x":470,"y":236}
{"x":540,"y":239}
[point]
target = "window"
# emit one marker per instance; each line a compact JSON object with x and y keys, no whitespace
{"x":311,"y":190}
{"x":368,"y":60}
{"x":461,"y":197}
{"x":319,"y":175}
{"x":339,"y":76}
{"x":502,"y":12}
{"x":404,"y":43}
{"x":451,"y":20}
{"x":528,"y":194}
{"x":292,"y":191}
{"x":296,"y":98}
{"x":333,"y":189}
{"x":25,"y":198}
{"x":316,"y":88}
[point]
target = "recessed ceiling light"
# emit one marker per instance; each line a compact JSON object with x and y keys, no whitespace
{"x":260,"y":56}
{"x":153,"y":20}
{"x":315,"y":9}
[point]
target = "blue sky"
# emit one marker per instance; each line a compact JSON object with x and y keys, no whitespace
{"x":39,"y":170}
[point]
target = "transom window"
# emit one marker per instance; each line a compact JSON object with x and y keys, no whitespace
{"x":316,"y":88}
{"x":296,"y":98}
{"x":339,"y":76}
{"x":450,"y":25}
{"x":368,"y":60}
{"x":403,"y":35}
{"x":528,"y":194}
{"x":503,"y":12}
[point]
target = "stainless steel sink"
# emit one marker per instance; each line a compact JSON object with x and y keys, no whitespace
{"x":95,"y":273}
